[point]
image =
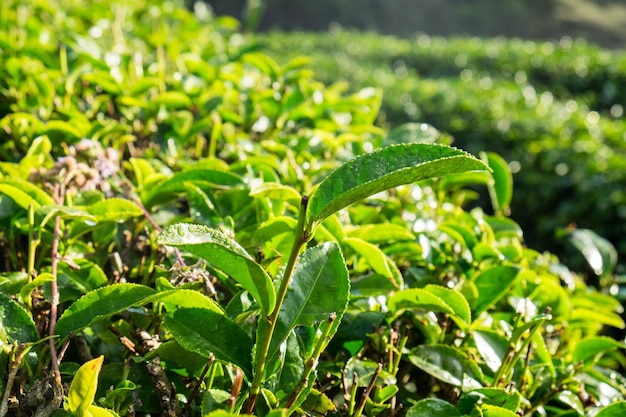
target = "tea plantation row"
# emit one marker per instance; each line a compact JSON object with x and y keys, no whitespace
{"x":554,"y":111}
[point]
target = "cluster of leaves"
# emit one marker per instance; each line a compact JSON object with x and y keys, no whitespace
{"x":189,"y":227}
{"x":555,"y":111}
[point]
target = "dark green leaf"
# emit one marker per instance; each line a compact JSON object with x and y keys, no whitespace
{"x":103,"y":302}
{"x":319,"y":288}
{"x":381,"y":170}
{"x":433,"y":407}
{"x":16,"y":325}
{"x":447,"y":364}
{"x":225,"y":254}
{"x":204,"y":332}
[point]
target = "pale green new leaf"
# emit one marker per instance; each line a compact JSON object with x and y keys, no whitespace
{"x":226,"y":255}
{"x":83,"y":387}
{"x":114,"y":210}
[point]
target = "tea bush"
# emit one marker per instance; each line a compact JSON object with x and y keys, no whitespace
{"x":554,"y":111}
{"x":188,"y":227}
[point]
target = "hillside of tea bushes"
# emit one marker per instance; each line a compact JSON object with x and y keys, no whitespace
{"x":193,"y":225}
{"x":554,"y":111}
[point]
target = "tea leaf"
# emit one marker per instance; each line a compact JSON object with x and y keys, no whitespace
{"x":448,"y":364}
{"x":16,"y":325}
{"x":617,"y":409}
{"x":114,"y":210}
{"x":381,"y":170}
{"x":24,"y":193}
{"x":508,"y":399}
{"x":424,"y":299}
{"x":103,"y":302}
{"x":493,"y":411}
{"x":225,"y":254}
{"x":492,"y":284}
{"x":319,"y":287}
{"x":204,"y":332}
{"x":40,"y":280}
{"x":433,"y":407}
{"x":82,"y":390}
{"x":589,"y":349}
{"x":501,"y":185}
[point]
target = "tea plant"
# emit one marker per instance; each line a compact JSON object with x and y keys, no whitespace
{"x":552,"y":109}
{"x":190,"y":228}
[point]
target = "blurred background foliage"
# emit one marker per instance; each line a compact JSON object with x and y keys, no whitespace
{"x":600,"y":21}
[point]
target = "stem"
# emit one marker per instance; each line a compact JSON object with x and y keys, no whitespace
{"x":14,"y":366}
{"x":312,"y":362}
{"x":301,"y":237}
{"x":367,"y":392}
{"x":197,"y":387}
{"x":55,"y":300}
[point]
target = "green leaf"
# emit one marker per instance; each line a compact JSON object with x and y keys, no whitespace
{"x":45,"y":213}
{"x":454,"y":299}
{"x":447,"y":364}
{"x":433,"y":407}
{"x":381,"y":170}
{"x":491,"y":346}
{"x":617,"y":409}
{"x":173,"y":99}
{"x":492,"y":284}
{"x":225,"y":254}
{"x":204,"y":332}
{"x":40,"y":280}
{"x":494,"y":411}
{"x":179,"y":182}
{"x":425,"y":299}
{"x":589,"y":349}
{"x":501,"y":187}
{"x":83,"y":387}
{"x":374,"y":257}
{"x":24,"y":193}
{"x":275,"y":191}
{"x":378,"y":233}
{"x":16,"y":324}
{"x":319,"y":287}
{"x":95,"y":411}
{"x":103,"y":302}
{"x":224,"y":413}
{"x":181,"y":297}
{"x":599,"y":253}
{"x":508,"y":399}
{"x":114,"y":210}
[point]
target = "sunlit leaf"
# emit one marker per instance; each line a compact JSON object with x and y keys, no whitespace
{"x":225,"y":254}
{"x":381,"y":170}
